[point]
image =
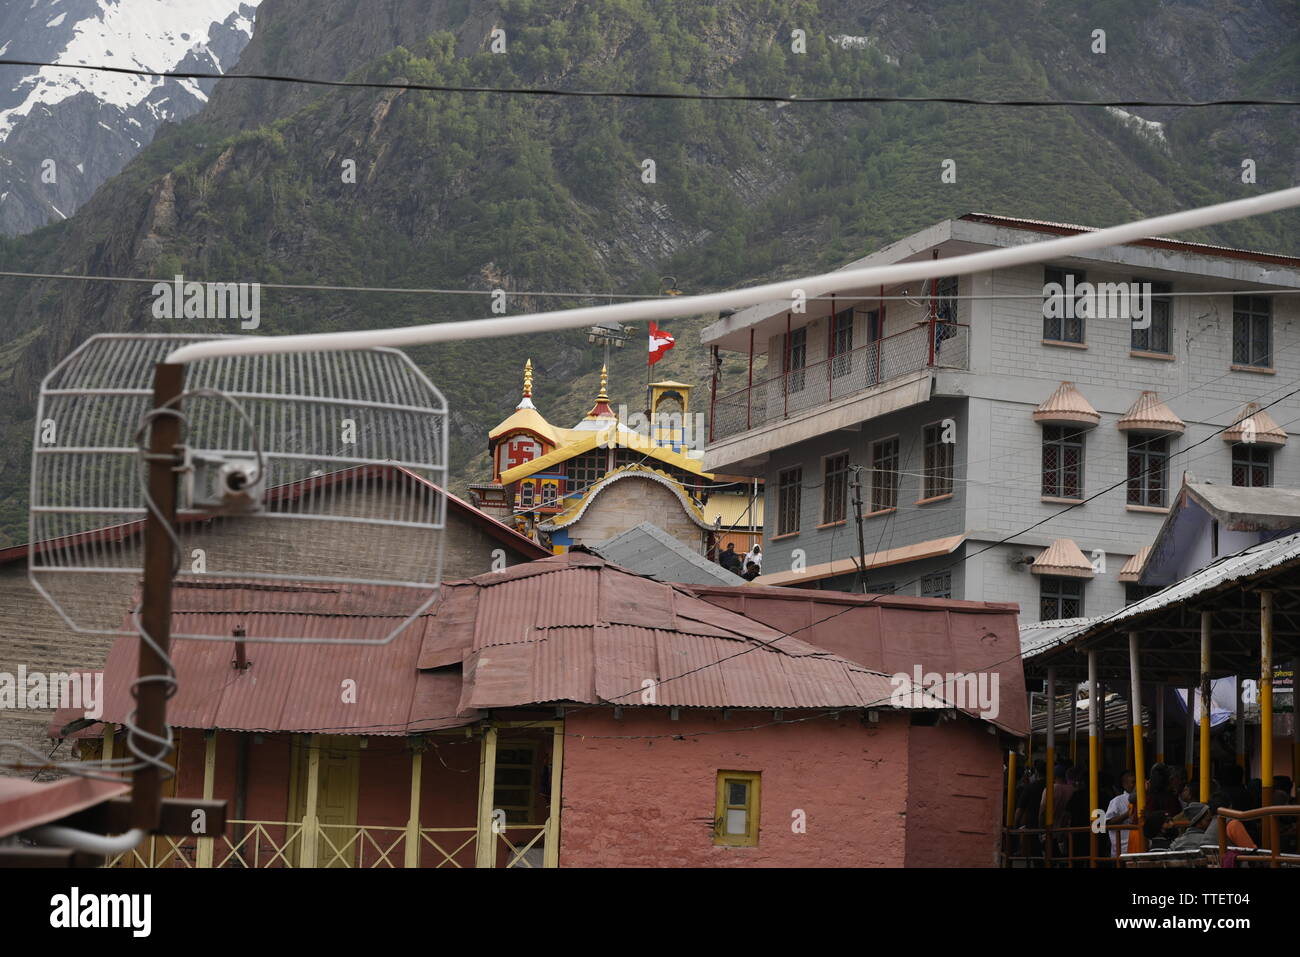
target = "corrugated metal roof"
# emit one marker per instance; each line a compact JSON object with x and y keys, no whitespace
{"x":1256,"y":560}
{"x":648,"y":550}
{"x":26,"y":804}
{"x":693,"y":653}
{"x":290,"y":687}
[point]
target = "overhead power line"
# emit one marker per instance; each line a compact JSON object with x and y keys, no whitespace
{"x":644,"y":94}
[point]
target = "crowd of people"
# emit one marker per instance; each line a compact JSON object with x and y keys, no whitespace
{"x":1175,"y":816}
{"x":748,"y":566}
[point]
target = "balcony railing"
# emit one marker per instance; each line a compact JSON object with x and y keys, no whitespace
{"x":782,"y":396}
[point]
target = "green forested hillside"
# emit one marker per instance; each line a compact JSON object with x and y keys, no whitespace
{"x":533,"y":193}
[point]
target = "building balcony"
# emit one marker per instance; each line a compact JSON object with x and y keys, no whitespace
{"x":838,"y":392}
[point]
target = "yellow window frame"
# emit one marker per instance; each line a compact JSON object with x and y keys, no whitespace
{"x":751,"y":807}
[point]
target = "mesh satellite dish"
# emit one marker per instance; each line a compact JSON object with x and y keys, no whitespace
{"x":308,"y":500}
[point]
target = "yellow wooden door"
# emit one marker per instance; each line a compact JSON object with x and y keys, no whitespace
{"x":336,"y":800}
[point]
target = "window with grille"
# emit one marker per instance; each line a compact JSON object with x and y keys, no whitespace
{"x":1252,"y":331}
{"x":796,"y":357}
{"x":1148,"y":469}
{"x":587,"y":468}
{"x":1252,"y":465}
{"x":548,"y":493}
{"x":938,"y":585}
{"x":1059,"y":327}
{"x":1060,"y":598}
{"x":527,"y":495}
{"x":1156,"y":337}
{"x":1062,"y":461}
{"x":841,"y":343}
{"x":938,"y":462}
{"x":884,"y":474}
{"x":835,"y":487}
{"x":945,"y":296}
{"x":789,"y":499}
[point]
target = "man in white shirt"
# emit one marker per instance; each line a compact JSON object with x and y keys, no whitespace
{"x":1121,"y":811}
{"x":752,"y":566}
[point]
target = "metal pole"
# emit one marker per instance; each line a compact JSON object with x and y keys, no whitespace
{"x":1241,"y":726}
{"x":1203,"y":788}
{"x":1266,"y":712}
{"x":1160,"y":726}
{"x":830,"y":351}
{"x":156,"y":593}
{"x":1051,"y":750}
{"x":862,"y":545}
{"x":749,"y":385}
{"x":1139,"y":758}
{"x":1094,"y":752}
{"x":1189,"y":736}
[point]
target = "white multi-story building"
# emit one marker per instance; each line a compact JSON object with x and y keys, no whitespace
{"x":981,"y":408}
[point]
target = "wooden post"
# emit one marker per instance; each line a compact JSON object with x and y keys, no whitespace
{"x":205,"y":851}
{"x":1139,"y":758}
{"x":107,"y":755}
{"x":1094,"y":751}
{"x":1266,"y":713}
{"x":1203,"y":787}
{"x":310,"y":823}
{"x":551,"y":857}
{"x":413,"y":820}
{"x":156,"y":595}
{"x":1189,"y":736}
{"x":485,"y":854}
{"x":1050,"y":819}
{"x":1074,"y":723}
{"x":1295,"y":722}
{"x":1011,"y":788}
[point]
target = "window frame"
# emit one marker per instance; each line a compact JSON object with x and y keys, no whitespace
{"x":877,"y":498}
{"x":794,"y":377}
{"x":1058,"y":274}
{"x":944,"y":577}
{"x":530,"y":810}
{"x":1062,"y":438}
{"x":586,"y":469}
{"x":934,"y":484}
{"x":783,"y":507}
{"x":1161,"y":295}
{"x":1056,"y":583}
{"x":842,"y":487}
{"x":752,"y":807}
{"x":1250,"y":308}
{"x":1252,"y":450}
{"x":1147,"y":456}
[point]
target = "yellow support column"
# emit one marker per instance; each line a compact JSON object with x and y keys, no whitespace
{"x":1050,"y":819}
{"x":1266,"y":713}
{"x":552,"y":854}
{"x":485,"y":853}
{"x":1203,"y":789}
{"x":205,"y":852}
{"x":413,"y":822}
{"x":310,"y":823}
{"x":108,"y":744}
{"x":1139,"y":746}
{"x":1095,"y":714}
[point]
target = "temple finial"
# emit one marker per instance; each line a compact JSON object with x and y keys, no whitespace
{"x":528,"y":379}
{"x":604,"y":385}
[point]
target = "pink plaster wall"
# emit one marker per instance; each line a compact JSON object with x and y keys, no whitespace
{"x":650,"y":802}
{"x":954,"y":797}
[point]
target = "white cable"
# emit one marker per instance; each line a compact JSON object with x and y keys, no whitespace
{"x":85,"y":841}
{"x":681,"y":306}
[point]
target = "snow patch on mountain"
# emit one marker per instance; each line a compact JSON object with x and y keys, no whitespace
{"x":140,"y":34}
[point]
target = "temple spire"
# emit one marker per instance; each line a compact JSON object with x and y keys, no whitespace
{"x":528,"y":379}
{"x":604,"y":385}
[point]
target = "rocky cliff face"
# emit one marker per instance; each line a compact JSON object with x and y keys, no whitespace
{"x":63,"y":132}
{"x":474,"y":191}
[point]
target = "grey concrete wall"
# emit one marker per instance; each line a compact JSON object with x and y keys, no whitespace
{"x":630,"y":501}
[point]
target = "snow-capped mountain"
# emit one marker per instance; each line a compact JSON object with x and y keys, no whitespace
{"x":63,"y":132}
